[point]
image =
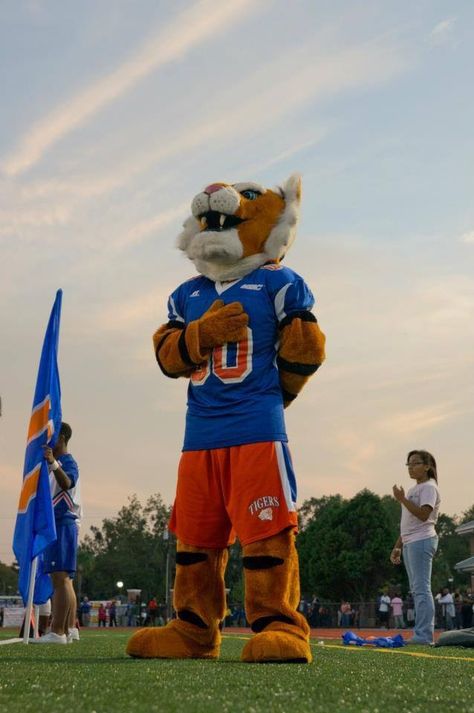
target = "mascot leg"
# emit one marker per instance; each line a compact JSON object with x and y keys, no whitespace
{"x":272,"y":595}
{"x":199,"y":600}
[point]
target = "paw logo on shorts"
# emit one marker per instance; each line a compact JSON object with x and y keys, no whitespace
{"x":266,"y":514}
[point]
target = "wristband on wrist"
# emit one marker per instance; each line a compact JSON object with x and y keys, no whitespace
{"x":54,"y":465}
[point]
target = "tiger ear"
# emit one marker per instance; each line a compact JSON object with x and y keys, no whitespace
{"x":283,"y":234}
{"x":292,"y":189}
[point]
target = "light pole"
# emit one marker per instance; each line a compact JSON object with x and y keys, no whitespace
{"x":166,"y":539}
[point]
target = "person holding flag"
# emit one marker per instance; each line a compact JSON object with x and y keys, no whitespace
{"x":60,"y":555}
{"x":35,"y":527}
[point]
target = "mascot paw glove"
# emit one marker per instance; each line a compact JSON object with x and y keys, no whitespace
{"x":222,"y":323}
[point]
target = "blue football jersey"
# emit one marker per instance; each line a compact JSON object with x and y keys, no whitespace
{"x":66,"y":503}
{"x":236,"y":398}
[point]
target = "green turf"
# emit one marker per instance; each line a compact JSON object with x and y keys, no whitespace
{"x":94,"y":675}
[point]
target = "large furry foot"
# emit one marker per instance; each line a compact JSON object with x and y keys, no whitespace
{"x":277,"y":647}
{"x":177,"y":640}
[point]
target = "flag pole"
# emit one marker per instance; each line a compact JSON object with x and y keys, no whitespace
{"x":36,"y":622}
{"x":29,"y":605}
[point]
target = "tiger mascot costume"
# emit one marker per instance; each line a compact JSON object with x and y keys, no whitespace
{"x":243,"y":333}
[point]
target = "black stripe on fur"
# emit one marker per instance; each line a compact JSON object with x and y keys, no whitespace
{"x":163,"y":370}
{"x":192,"y":618}
{"x":296,"y":368}
{"x":183,"y":350}
{"x":260,"y":624}
{"x":187,"y":558}
{"x":302,"y":314}
{"x":261,"y":562}
{"x":157,"y":354}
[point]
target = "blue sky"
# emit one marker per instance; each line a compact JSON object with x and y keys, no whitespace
{"x":114,"y":114}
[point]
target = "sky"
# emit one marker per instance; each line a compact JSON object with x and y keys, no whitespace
{"x":116,"y":113}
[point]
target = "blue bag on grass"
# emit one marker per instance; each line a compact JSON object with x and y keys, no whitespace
{"x":381,"y":642}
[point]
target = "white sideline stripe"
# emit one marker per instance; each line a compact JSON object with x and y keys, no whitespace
{"x":11,"y":641}
{"x":285,"y":483}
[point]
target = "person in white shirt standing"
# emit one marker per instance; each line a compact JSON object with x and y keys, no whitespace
{"x":449,"y":610}
{"x":420,"y":507}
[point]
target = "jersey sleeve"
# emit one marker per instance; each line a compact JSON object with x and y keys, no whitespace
{"x":176,"y":343}
{"x":301,"y":348}
{"x":69,"y":466}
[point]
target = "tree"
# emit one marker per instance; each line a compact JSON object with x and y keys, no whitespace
{"x":467,"y":516}
{"x":344,"y":548}
{"x":234,"y":575}
{"x":129,"y":547}
{"x":312,"y":507}
{"x":452,"y":548}
{"x":8,"y":579}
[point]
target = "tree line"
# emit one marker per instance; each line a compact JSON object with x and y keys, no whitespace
{"x":343,"y":546}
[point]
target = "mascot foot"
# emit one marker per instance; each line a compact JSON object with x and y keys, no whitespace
{"x":281,"y":646}
{"x":177,"y":640}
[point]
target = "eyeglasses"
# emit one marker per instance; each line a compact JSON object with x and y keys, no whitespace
{"x":408,"y":465}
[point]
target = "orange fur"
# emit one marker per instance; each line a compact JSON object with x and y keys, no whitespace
{"x":302,"y":343}
{"x":260,"y":217}
{"x":200,"y":589}
{"x":275,"y":592}
{"x":168,"y":353}
{"x":220,"y":324}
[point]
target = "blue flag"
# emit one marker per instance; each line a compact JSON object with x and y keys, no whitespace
{"x":35,"y":528}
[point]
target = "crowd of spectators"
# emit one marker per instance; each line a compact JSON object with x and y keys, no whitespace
{"x":454,"y":610}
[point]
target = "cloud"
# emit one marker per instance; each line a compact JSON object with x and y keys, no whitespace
{"x":303,"y":77}
{"x":442,"y":33}
{"x":125,"y":316}
{"x":143,"y":229}
{"x":186,"y":31}
{"x":413,"y":421}
{"x":467,"y":237}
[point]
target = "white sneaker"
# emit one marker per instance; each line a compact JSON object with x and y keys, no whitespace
{"x":73,"y":635}
{"x":50,"y":638}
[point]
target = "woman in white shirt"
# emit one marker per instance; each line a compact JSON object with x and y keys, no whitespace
{"x":420,"y":507}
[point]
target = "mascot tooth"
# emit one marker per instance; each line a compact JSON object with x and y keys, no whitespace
{"x":244,"y":334}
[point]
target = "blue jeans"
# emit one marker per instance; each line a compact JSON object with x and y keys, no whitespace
{"x":418,"y":558}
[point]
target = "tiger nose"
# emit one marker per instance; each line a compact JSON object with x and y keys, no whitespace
{"x":213,"y":188}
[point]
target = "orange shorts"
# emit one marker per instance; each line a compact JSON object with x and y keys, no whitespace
{"x":246,"y":491}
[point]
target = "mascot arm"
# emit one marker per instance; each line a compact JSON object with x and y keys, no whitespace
{"x":180,"y":348}
{"x":300,"y":353}
{"x":168,"y":342}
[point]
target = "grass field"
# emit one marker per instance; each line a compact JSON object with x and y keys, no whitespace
{"x":94,"y":676}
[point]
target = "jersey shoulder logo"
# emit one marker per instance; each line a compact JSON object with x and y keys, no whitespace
{"x":251,"y":287}
{"x":195,"y":293}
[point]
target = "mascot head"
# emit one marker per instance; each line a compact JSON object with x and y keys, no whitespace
{"x":236,"y":228}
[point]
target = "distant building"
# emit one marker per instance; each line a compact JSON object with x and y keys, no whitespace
{"x":467,"y":565}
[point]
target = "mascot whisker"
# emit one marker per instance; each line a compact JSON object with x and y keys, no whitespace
{"x":243,"y":333}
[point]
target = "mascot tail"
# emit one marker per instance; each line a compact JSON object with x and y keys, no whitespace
{"x":272,"y":595}
{"x":199,"y":600}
